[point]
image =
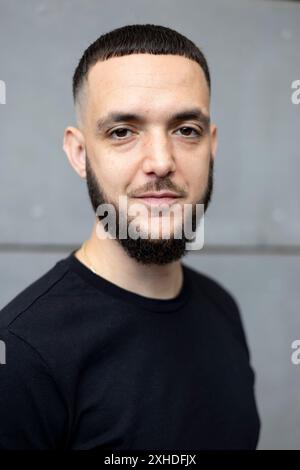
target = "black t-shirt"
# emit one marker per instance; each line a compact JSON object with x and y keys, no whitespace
{"x":92,"y":365}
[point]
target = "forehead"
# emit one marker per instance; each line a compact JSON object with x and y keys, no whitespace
{"x":147,"y":80}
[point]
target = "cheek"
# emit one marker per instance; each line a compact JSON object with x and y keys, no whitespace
{"x":113,"y":174}
{"x":196,"y":177}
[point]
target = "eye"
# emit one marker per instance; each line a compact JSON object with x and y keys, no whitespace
{"x":188,"y":129}
{"x":119,"y":133}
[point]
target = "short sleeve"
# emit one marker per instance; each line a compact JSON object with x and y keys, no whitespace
{"x":33,"y":414}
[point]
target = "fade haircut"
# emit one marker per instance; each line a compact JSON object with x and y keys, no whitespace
{"x":134,"y":39}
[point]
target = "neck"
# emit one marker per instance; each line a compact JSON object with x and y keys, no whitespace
{"x":109,"y":260}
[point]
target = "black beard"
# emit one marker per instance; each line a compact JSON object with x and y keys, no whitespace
{"x":147,"y":250}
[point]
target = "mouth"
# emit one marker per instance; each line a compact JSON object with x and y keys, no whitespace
{"x":156,"y":199}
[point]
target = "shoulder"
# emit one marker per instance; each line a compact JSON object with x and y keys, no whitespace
{"x":28,"y":378}
{"x":44,"y":314}
{"x":213,"y":289}
{"x":224,"y":302}
{"x":29,"y":296}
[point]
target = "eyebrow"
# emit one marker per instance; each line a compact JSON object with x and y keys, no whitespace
{"x":184,"y":115}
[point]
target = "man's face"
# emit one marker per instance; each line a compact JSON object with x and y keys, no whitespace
{"x":151,"y":151}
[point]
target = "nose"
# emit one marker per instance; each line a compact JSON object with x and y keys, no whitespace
{"x":158,"y":157}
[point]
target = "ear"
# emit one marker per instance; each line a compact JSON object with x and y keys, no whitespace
{"x":74,"y":147}
{"x":214,"y":139}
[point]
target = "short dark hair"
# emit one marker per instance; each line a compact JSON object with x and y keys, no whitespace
{"x":133,"y":39}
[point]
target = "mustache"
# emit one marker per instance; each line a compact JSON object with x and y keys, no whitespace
{"x":159,"y":185}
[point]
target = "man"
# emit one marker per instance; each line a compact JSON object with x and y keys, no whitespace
{"x":120,"y":345}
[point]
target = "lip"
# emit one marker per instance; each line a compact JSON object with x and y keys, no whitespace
{"x":156,"y":199}
{"x":162,"y":194}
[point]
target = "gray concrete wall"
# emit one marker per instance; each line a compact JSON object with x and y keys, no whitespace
{"x":252,"y":228}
